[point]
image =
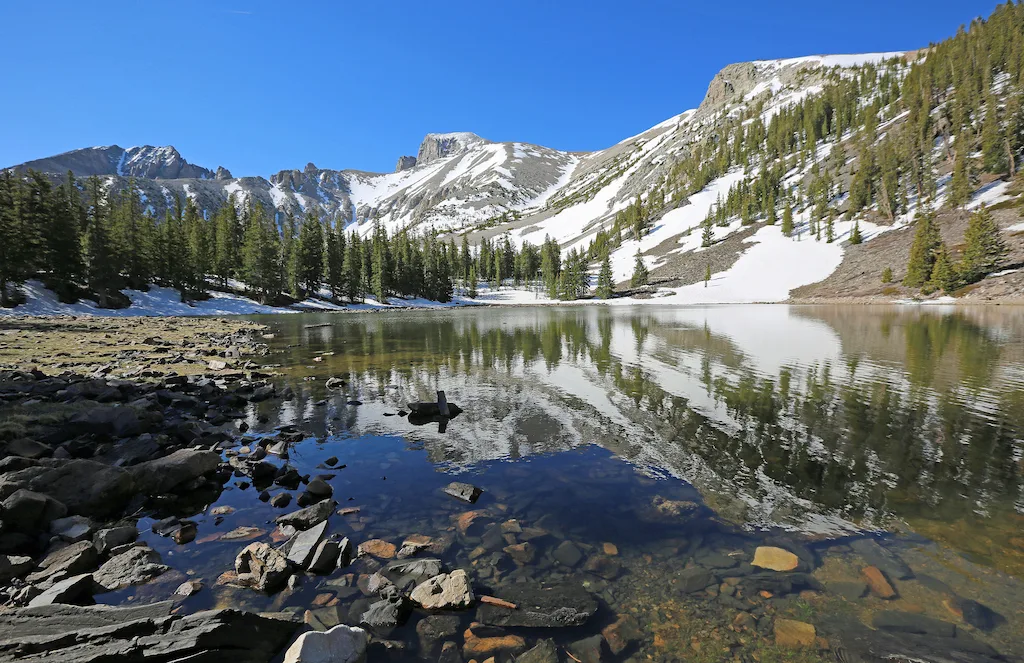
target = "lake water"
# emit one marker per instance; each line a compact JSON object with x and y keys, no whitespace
{"x":654,"y":440}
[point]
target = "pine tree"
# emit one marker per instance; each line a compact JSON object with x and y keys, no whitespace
{"x":15,"y":242}
{"x":887,"y":275}
{"x":984,"y":247}
{"x":707,"y":274}
{"x":830,"y":225}
{"x":922,"y":251}
{"x":550,"y":265}
{"x":960,"y":184}
{"x":261,"y":255}
{"x":63,"y":242}
{"x":604,"y":277}
{"x":335,"y":257}
{"x":787,"y":220}
{"x":100,"y":265}
{"x":310,"y":254}
{"x":707,"y":236}
{"x":992,"y":142}
{"x":855,"y":236}
{"x":200,"y":248}
{"x":943,"y":276}
{"x":640,"y":274}
{"x":352,"y":269}
{"x":472,"y":282}
{"x":227,"y":242}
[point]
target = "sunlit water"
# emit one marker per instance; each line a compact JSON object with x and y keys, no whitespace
{"x":813,"y":426}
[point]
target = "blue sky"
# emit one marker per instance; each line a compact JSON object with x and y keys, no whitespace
{"x":263,"y":86}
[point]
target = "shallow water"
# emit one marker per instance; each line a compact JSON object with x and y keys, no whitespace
{"x":805,"y":427}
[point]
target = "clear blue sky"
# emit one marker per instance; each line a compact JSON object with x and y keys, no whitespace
{"x":262,"y":86}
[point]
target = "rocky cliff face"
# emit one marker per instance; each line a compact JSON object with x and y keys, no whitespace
{"x":439,"y":146}
{"x":405,"y":163}
{"x":158,"y":163}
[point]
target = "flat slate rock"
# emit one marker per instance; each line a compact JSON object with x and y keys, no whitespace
{"x":463,"y":491}
{"x":554,"y":605}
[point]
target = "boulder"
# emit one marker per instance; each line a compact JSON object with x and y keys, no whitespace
{"x":346,"y":553}
{"x":407,"y":574}
{"x":385,"y":614}
{"x":68,"y":590}
{"x":775,"y":559}
{"x":887,"y":561}
{"x":135,"y":566}
{"x":694,"y":579}
{"x":319,"y":489}
{"x":72,"y":528}
{"x":72,"y":634}
{"x":622,"y":633}
{"x":308,"y":517}
{"x":301,"y":547}
{"x":377,"y":548}
{"x":113,"y":421}
{"x":83,"y":486}
{"x":325,"y":557}
{"x":432,"y":630}
{"x":70,"y":560}
{"x":341,"y":644}
{"x":448,"y":591}
{"x":26,"y":448}
{"x":567,"y":554}
{"x":14,"y":566}
{"x":877,"y":582}
{"x":463,"y":491}
{"x":543,"y":652}
{"x":28,"y":511}
{"x":791,"y":633}
{"x":546,"y":606}
{"x":261,"y":567}
{"x":907,"y":622}
{"x":483,"y":648}
{"x":164,"y":474}
{"x":588,"y":650}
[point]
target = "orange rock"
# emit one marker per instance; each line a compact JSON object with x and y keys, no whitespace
{"x":620,"y":635}
{"x":482,"y":648}
{"x":377,"y":548}
{"x":791,"y":633}
{"x":610,"y":549}
{"x":776,"y":559}
{"x":879,"y":586}
{"x":348,"y":511}
{"x":465,"y":520}
{"x":226,"y":578}
{"x":659,"y":641}
{"x":322,"y":599}
{"x":953,"y":609}
{"x":765,"y":594}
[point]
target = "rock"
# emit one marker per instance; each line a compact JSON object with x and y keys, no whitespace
{"x":112,"y":537}
{"x":622,"y":633}
{"x":301,"y":547}
{"x":325,"y":557}
{"x":281,"y":500}
{"x":463,"y":491}
{"x":606,"y":567}
{"x":851,"y":591}
{"x":884,"y":560}
{"x":216,"y":364}
{"x":791,"y":633}
{"x":450,"y":653}
{"x":431,"y":630}
{"x":334,"y":383}
{"x":346,"y":553}
{"x":876,"y":581}
{"x":323,"y":619}
{"x":377,"y":548}
{"x":69,"y":634}
{"x":83,"y":486}
{"x":543,"y":652}
{"x":14,"y":566}
{"x":115,"y":421}
{"x":261,"y":567}
{"x":567,"y":554}
{"x":906,"y":622}
{"x":72,"y":528}
{"x":26,"y":448}
{"x":68,"y":561}
{"x":977,"y":615}
{"x":28,"y":511}
{"x":553,"y":605}
{"x":164,"y":474}
{"x":588,"y":650}
{"x":243,"y":533}
{"x":522,"y":553}
{"x":319,"y":489}
{"x":448,"y":591}
{"x":185,"y":533}
{"x":694,"y":579}
{"x":308,"y":517}
{"x":479,"y":648}
{"x":68,"y":590}
{"x":135,"y":566}
{"x":188,"y":588}
{"x":341,"y":644}
{"x":775,"y":559}
{"x":471,"y":523}
{"x":385,"y":614}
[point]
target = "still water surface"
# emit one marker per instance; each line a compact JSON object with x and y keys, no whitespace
{"x":656,"y":439}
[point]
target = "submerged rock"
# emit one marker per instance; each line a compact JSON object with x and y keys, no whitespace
{"x":775,"y":559}
{"x":547,"y":606}
{"x":791,"y":633}
{"x":463,"y":491}
{"x":261,"y":567}
{"x":308,"y":517}
{"x":448,"y":591}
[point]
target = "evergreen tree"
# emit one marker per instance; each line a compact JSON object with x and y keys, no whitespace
{"x":787,"y":220}
{"x":943,"y":275}
{"x":604,"y":277}
{"x":12,"y":240}
{"x":707,"y":274}
{"x":855,"y":236}
{"x":472,"y":282}
{"x":335,"y":256}
{"x":227,"y":242}
{"x":550,"y":265}
{"x":64,"y":241}
{"x":640,"y":274}
{"x":830,"y":226}
{"x":352,"y":269}
{"x":100,"y":265}
{"x":261,"y":255}
{"x":887,"y":275}
{"x":310,"y":254}
{"x":200,"y":248}
{"x":984,"y":247}
{"x":707,"y":236}
{"x":922,"y":251}
{"x":960,"y":184}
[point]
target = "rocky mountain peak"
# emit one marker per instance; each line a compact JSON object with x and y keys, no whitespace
{"x":223,"y":173}
{"x":439,"y":146}
{"x":405,"y":163}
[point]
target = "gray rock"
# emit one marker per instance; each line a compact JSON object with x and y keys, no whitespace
{"x":588,"y":650}
{"x":450,"y":653}
{"x":543,"y":652}
{"x":463,"y":491}
{"x":135,"y":566}
{"x":319,"y":488}
{"x":281,"y":500}
{"x":83,"y":486}
{"x":72,"y":528}
{"x":68,"y":590}
{"x":14,"y":566}
{"x":28,"y":511}
{"x":115,"y":421}
{"x":341,"y":644}
{"x":405,"y":163}
{"x":850,"y":591}
{"x":346,"y":553}
{"x":554,"y":605}
{"x":308,"y":517}
{"x":72,"y":634}
{"x":694,"y":579}
{"x":26,"y":448}
{"x":887,"y":561}
{"x":111,"y":537}
{"x":164,"y":474}
{"x":325,"y":557}
{"x":385,"y":614}
{"x":301,"y":547}
{"x":567,"y":554}
{"x":68,"y":561}
{"x":261,"y":567}
{"x":409,"y":573}
{"x":907,"y":622}
{"x":448,"y":591}
{"x":433,"y":629}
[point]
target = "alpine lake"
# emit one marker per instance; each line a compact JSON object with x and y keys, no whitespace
{"x":650,"y":456}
